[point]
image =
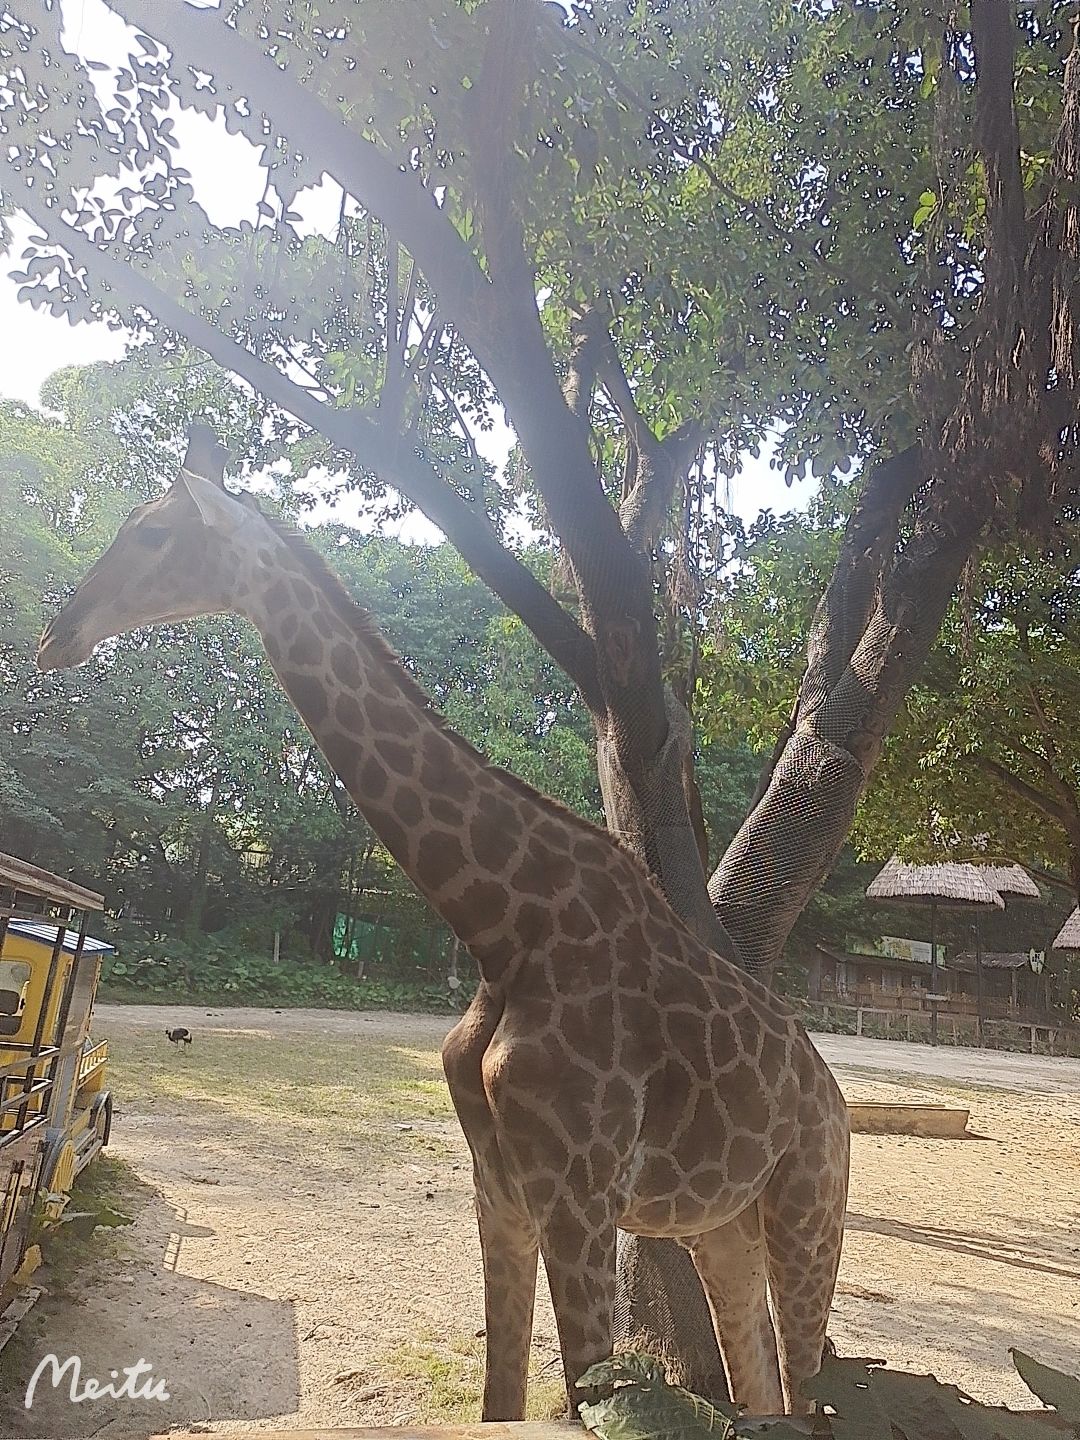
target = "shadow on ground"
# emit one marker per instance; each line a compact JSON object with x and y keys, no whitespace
{"x":138,"y":1304}
{"x":1041,"y":1254}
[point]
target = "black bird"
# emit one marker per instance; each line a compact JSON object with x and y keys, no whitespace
{"x":179,"y":1036}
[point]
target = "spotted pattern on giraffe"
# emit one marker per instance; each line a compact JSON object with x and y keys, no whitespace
{"x":611,"y":1070}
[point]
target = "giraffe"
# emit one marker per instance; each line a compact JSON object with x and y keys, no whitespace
{"x":612,"y":1071}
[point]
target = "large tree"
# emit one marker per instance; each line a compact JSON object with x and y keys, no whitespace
{"x":647,"y":234}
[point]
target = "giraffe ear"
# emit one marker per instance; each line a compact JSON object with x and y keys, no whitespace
{"x":202,"y":475}
{"x":218,"y":509}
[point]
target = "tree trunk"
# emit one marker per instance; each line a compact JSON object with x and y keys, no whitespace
{"x":647,"y":807}
{"x":197,"y":901}
{"x":660,"y":1306}
{"x":873,"y":630}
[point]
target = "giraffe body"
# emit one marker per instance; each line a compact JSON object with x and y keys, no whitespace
{"x":611,"y":1071}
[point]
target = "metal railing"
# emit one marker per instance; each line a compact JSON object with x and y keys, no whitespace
{"x":92,"y":1060}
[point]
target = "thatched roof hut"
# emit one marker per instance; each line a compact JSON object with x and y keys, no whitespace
{"x":947,"y":885}
{"x":1009,"y":880}
{"x":992,"y":960}
{"x":1068,"y":937}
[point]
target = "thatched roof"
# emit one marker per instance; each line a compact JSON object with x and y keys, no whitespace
{"x":1009,"y":880}
{"x":945,"y":885}
{"x":964,"y":961}
{"x":1068,"y":937}
{"x":992,"y":960}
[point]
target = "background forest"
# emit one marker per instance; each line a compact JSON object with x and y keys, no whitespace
{"x":173,"y":774}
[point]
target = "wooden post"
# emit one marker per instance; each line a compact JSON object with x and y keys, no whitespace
{"x":858,"y":1020}
{"x":933,"y":972}
{"x":452,"y":977}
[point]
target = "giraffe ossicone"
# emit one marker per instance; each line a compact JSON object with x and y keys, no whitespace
{"x":611,"y":1071}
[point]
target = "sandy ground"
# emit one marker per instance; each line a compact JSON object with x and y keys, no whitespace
{"x":302,"y":1257}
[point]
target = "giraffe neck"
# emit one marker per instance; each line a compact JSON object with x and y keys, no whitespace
{"x":489,"y":854}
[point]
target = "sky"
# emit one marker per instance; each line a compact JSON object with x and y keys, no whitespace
{"x":228,"y":183}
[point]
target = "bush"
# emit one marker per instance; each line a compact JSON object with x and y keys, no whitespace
{"x":219,"y":970}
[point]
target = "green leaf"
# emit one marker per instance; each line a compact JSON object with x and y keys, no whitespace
{"x":644,"y":1406}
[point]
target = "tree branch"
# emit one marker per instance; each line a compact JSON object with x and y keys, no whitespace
{"x":500,"y":324}
{"x":993,"y":31}
{"x":199,"y":37}
{"x":387,"y":453}
{"x":496,"y":104}
{"x":586,"y":332}
{"x":393,"y":386}
{"x":613,"y":378}
{"x":844,"y":610}
{"x":873,"y":631}
{"x":660,"y":465}
{"x":1027,"y":792}
{"x":1045,"y":765}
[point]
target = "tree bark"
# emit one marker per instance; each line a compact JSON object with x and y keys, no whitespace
{"x":660,"y":1306}
{"x":647,"y":807}
{"x":874,"y":628}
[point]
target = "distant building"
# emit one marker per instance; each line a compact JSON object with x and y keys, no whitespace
{"x":1012,"y":987}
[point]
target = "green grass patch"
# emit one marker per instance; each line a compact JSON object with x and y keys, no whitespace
{"x":87,"y":1234}
{"x":342,"y":994}
{"x":325,"y":1087}
{"x":449,"y":1376}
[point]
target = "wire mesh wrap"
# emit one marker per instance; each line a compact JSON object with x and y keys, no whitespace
{"x":813,"y":788}
{"x":660,"y":1307}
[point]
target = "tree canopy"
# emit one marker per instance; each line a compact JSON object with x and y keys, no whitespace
{"x":650,"y":236}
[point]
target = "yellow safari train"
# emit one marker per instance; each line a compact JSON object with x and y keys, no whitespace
{"x":55,"y":1107}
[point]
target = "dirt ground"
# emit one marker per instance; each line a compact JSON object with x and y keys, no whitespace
{"x":304,"y":1249}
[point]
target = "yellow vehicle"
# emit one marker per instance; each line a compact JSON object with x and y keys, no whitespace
{"x":55,"y":1112}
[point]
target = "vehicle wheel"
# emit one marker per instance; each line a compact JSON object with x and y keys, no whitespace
{"x":58,"y":1169}
{"x":103,"y":1116}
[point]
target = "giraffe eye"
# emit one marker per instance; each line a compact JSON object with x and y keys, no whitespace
{"x":152,"y":536}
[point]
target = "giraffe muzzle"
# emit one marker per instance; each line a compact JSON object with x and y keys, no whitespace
{"x":61,"y":646}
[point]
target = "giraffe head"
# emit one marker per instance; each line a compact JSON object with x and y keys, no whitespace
{"x":174,"y":558}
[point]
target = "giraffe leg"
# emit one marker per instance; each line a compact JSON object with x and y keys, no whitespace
{"x":508,"y":1242}
{"x":509,"y":1248}
{"x":578,"y":1246}
{"x":803,"y":1212}
{"x":731,"y":1263}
